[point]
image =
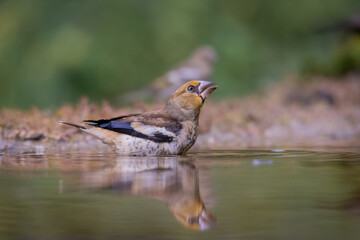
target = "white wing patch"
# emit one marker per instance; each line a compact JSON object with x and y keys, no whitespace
{"x":152,"y":131}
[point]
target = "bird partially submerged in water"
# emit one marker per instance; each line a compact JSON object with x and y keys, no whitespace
{"x":170,"y":131}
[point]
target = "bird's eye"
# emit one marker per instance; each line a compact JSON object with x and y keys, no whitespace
{"x":190,"y":88}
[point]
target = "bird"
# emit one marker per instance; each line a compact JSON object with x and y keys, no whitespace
{"x":199,"y":65}
{"x":171,"y":130}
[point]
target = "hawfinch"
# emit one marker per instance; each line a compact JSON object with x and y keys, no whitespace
{"x":170,"y":131}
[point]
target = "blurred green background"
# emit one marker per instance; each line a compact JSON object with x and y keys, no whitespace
{"x":53,"y":51}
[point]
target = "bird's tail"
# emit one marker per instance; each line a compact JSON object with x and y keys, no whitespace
{"x":73,"y":124}
{"x":104,"y":135}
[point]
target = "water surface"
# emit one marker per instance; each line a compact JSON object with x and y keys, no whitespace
{"x":253,"y":194}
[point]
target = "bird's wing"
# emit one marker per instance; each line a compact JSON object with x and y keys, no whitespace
{"x":155,"y":128}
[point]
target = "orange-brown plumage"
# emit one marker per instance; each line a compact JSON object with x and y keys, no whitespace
{"x":169,"y":131}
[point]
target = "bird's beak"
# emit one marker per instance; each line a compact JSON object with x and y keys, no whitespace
{"x":206,"y":220}
{"x":206,"y":88}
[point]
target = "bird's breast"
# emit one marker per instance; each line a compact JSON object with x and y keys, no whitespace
{"x":184,"y":140}
{"x":187,"y":136}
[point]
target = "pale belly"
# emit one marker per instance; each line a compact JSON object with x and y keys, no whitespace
{"x":128,"y":145}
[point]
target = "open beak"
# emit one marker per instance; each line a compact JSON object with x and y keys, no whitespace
{"x":206,"y":88}
{"x":206,"y":220}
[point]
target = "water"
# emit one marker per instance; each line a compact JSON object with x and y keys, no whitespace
{"x":249,"y":194}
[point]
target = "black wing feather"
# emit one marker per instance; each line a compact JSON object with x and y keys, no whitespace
{"x":101,"y":121}
{"x":125,"y":128}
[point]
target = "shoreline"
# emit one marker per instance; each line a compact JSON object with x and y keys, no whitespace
{"x":319,"y":112}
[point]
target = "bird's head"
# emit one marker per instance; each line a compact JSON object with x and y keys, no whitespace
{"x":186,"y":102}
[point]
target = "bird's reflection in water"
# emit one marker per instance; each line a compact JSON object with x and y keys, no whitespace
{"x":167,"y":179}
